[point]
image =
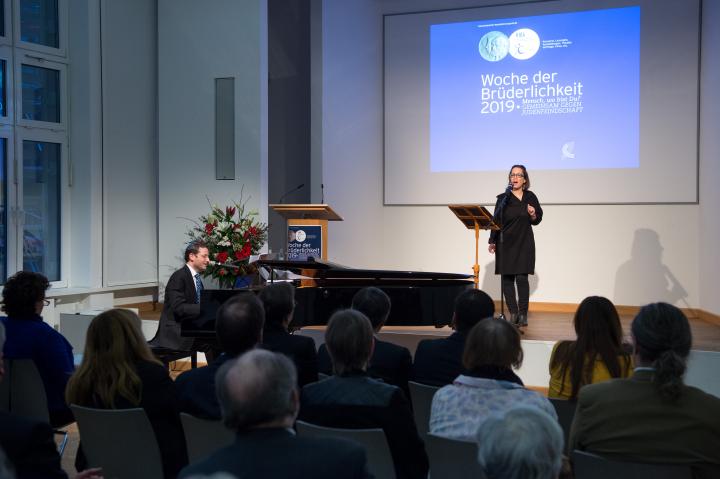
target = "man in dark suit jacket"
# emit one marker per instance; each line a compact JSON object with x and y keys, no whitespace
{"x":259,"y":400}
{"x":390,"y":362}
{"x":238,"y":327}
{"x":182,"y":298}
{"x":351,"y":399}
{"x":439,"y":361}
{"x":279,"y":302}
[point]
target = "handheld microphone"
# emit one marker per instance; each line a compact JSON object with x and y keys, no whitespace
{"x":298,"y":187}
{"x":509,"y":188}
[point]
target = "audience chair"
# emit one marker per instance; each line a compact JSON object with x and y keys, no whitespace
{"x":380,"y":461}
{"x":451,"y":458}
{"x":566,"y":412}
{"x":591,"y":466}
{"x":166,"y":356}
{"x":421,"y":397}
{"x":204,"y":436}
{"x":121,"y":441}
{"x":22,"y":393}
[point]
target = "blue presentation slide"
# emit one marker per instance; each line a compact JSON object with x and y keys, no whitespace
{"x":553,"y":92}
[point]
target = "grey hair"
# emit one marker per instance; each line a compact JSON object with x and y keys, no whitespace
{"x":521,"y":443}
{"x":256,"y":388}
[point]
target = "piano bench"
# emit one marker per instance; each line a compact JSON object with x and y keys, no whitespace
{"x":166,"y":356}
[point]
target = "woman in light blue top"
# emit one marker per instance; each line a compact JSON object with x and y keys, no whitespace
{"x":492,"y":349}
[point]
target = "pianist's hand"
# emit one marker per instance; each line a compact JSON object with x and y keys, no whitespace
{"x":491,"y":248}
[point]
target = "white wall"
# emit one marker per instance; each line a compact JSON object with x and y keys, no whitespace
{"x":198,"y":42}
{"x":632,"y":254}
{"x":129,"y":142}
{"x":709,"y":231}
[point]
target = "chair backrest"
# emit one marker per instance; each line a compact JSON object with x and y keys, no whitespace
{"x":450,"y":458}
{"x":380,"y":461}
{"x":121,"y":441}
{"x":421,"y":396}
{"x":591,"y":466}
{"x":25,"y":395}
{"x":204,"y":436}
{"x":566,"y":412}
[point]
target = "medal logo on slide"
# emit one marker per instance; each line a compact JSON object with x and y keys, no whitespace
{"x":493,"y":46}
{"x":524,"y":44}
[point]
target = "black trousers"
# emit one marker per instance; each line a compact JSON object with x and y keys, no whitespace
{"x":519,"y":305}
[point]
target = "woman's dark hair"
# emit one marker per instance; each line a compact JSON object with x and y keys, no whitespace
{"x":526,"y":186}
{"x":662,"y":336}
{"x":22,"y":291}
{"x":492,"y":342}
{"x":599,"y":336}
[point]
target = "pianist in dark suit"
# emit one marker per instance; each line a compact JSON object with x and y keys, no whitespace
{"x":182,"y":298}
{"x":351,"y":399}
{"x":238,"y":326}
{"x":389,"y":362}
{"x":439,"y":361}
{"x":259,"y":400}
{"x":279,"y":302}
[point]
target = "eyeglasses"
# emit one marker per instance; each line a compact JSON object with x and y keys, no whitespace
{"x":46,"y":302}
{"x":517,"y":175}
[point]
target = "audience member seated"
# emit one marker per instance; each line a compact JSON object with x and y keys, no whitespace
{"x":489,"y":385}
{"x":279,"y":302}
{"x":259,"y":400}
{"x":238,"y":327}
{"x":389,"y":362}
{"x":652,"y":416}
{"x":597,"y":355}
{"x":439,"y":361}
{"x":29,"y":337}
{"x":520,"y":443}
{"x":351,"y":399}
{"x":29,"y":445}
{"x":118,"y":371}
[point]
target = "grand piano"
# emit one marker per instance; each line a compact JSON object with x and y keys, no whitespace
{"x":418,"y":298}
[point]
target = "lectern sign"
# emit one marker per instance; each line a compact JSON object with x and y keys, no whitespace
{"x":304,"y":241}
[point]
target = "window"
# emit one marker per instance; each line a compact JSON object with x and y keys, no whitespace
{"x":33,"y":138}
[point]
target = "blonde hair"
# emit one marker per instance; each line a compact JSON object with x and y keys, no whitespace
{"x":113,"y":346}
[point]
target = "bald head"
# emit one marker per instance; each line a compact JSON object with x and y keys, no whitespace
{"x":257,"y":390}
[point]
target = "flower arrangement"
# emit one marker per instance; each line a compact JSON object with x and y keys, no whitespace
{"x":231,"y":235}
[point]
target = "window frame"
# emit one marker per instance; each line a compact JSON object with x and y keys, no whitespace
{"x":41,"y":63}
{"x":6,"y":54}
{"x":61,"y":51}
{"x":35,"y":134}
{"x":7,"y":132}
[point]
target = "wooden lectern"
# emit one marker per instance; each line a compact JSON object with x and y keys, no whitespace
{"x":475,"y":217}
{"x":309,"y":214}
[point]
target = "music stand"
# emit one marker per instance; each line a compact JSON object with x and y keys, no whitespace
{"x":475,"y":217}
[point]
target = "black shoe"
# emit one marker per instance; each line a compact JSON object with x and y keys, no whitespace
{"x":522,"y":320}
{"x":513,"y":319}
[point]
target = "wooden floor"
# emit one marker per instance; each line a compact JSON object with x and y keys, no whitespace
{"x":548,"y":326}
{"x":544,"y":326}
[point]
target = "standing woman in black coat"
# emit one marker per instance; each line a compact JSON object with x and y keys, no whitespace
{"x":518,"y":210}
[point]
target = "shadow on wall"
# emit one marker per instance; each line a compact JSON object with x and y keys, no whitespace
{"x":490,"y":282}
{"x":644,"y":278}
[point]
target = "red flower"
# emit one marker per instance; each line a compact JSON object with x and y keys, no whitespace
{"x":221,"y":257}
{"x":222,"y":272}
{"x":253,"y":231}
{"x":209,"y":227}
{"x":244,"y":252}
{"x":230,"y":211}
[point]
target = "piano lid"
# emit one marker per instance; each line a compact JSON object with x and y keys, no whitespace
{"x":319,"y":269}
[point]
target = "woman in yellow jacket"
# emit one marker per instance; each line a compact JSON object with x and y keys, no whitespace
{"x":597,"y":354}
